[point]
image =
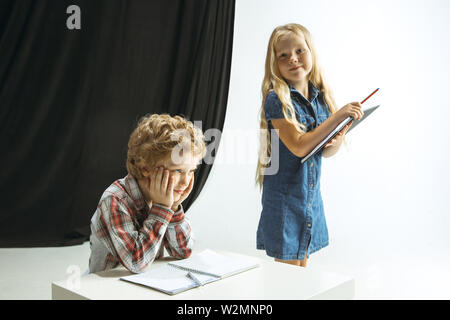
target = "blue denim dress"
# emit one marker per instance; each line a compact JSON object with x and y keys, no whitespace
{"x":292,"y":219}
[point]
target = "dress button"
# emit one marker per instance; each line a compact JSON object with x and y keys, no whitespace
{"x":309,"y":204}
{"x":312,"y":163}
{"x":309,"y":225}
{"x":311,"y":185}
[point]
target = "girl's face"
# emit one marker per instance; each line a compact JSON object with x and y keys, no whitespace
{"x":294,"y":58}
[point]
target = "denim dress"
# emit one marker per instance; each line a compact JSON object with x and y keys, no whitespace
{"x":292,"y":221}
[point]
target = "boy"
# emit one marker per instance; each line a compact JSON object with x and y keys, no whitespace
{"x":140,"y":214}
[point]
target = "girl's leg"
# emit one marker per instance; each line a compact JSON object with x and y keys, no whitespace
{"x":301,"y":263}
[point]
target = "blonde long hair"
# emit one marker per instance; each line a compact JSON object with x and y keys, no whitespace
{"x":273,"y":81}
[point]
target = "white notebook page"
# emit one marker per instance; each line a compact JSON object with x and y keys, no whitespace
{"x":166,"y":278}
{"x":215,"y":264}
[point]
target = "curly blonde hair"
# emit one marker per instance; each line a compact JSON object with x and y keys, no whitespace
{"x":156,"y":136}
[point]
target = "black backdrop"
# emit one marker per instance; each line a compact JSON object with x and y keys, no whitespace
{"x":70,"y":99}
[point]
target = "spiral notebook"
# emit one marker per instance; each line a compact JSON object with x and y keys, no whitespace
{"x":197,"y":270}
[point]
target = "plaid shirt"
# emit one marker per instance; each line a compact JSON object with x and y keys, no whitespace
{"x":125,"y":230}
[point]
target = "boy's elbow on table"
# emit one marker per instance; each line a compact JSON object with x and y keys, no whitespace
{"x":136,"y":267}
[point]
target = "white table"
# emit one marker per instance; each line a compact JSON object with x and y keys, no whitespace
{"x":271,"y":281}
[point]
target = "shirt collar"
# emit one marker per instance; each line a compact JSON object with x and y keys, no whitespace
{"x":313,"y":91}
{"x":132,"y":187}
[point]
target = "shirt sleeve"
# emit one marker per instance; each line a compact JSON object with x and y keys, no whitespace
{"x":136,"y":249}
{"x":272,"y":107}
{"x":178,"y":239}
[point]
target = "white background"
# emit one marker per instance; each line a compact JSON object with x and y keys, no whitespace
{"x":386,"y":193}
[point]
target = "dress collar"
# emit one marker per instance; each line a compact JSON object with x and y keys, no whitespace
{"x":313,"y":92}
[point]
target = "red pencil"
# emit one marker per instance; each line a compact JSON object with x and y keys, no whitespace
{"x":370,"y":95}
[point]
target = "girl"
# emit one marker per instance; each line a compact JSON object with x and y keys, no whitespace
{"x":298,"y":104}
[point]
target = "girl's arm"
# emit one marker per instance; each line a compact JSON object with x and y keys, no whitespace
{"x":300,"y":143}
{"x":332,"y":147}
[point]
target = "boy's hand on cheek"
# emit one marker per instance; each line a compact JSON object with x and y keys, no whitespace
{"x":161,"y":187}
{"x":184,"y":195}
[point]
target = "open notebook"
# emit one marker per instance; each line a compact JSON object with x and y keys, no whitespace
{"x":197,"y":270}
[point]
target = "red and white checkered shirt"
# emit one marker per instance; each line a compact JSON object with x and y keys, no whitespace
{"x":125,"y":230}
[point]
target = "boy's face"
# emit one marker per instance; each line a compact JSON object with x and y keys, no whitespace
{"x":182,"y":173}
